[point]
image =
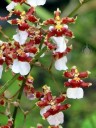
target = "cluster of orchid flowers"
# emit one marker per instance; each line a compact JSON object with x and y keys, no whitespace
{"x":31,"y":42}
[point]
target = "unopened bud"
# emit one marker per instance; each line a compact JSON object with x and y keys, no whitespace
{"x":15,"y":103}
{"x":88,"y":72}
{"x":90,"y":84}
{"x":7,"y":94}
{"x":81,"y":1}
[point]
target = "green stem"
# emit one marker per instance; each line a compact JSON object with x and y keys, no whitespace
{"x":23,"y":84}
{"x":7,"y":84}
{"x":19,"y":97}
{"x":33,"y":107}
{"x":52,"y":77}
{"x":78,"y":6}
{"x":73,"y":12}
{"x":55,"y":82}
{"x":39,"y":54}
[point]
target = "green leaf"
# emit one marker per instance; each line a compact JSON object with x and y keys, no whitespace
{"x":3,"y":120}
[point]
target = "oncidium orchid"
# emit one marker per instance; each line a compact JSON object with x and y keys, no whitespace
{"x":30,"y":44}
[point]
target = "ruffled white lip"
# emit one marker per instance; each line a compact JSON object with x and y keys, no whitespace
{"x":60,"y":64}
{"x":56,"y":119}
{"x":60,"y":42}
{"x":20,"y":67}
{"x":36,"y":2}
{"x":1,"y":70}
{"x":20,"y":37}
{"x":75,"y":93}
{"x":11,"y":6}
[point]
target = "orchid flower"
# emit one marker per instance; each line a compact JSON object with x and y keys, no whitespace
{"x":55,"y":119}
{"x":75,"y":84}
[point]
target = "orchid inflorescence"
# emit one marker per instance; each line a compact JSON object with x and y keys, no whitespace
{"x":33,"y":39}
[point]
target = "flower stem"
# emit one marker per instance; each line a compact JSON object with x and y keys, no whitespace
{"x":4,"y":35}
{"x":52,"y":76}
{"x":19,"y":97}
{"x":78,"y":6}
{"x":23,"y":84}
{"x":39,"y":54}
{"x":8,"y":83}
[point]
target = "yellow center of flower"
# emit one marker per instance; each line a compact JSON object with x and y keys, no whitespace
{"x":76,"y":75}
{"x":1,"y":55}
{"x":58,"y":26}
{"x":58,"y":23}
{"x":46,"y":89}
{"x":2,"y":47}
{"x":20,"y":21}
{"x":57,"y":18}
{"x":30,"y":77}
{"x":20,"y":52}
{"x":23,"y":13}
{"x":77,"y":79}
{"x":49,"y":127}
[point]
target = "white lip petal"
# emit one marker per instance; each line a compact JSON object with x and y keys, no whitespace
{"x":41,"y":2}
{"x":80,"y":93}
{"x":56,"y":119}
{"x":60,"y":64}
{"x":21,"y":37}
{"x":44,"y":110}
{"x":36,"y":2}
{"x":61,"y":47}
{"x":24,"y":68}
{"x":15,"y":66}
{"x":11,"y":6}
{"x":75,"y":93}
{"x":20,"y":67}
{"x":1,"y":70}
{"x":32,"y":2}
{"x":60,"y":42}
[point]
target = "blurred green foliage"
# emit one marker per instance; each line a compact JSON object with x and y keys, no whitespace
{"x":82,"y":114}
